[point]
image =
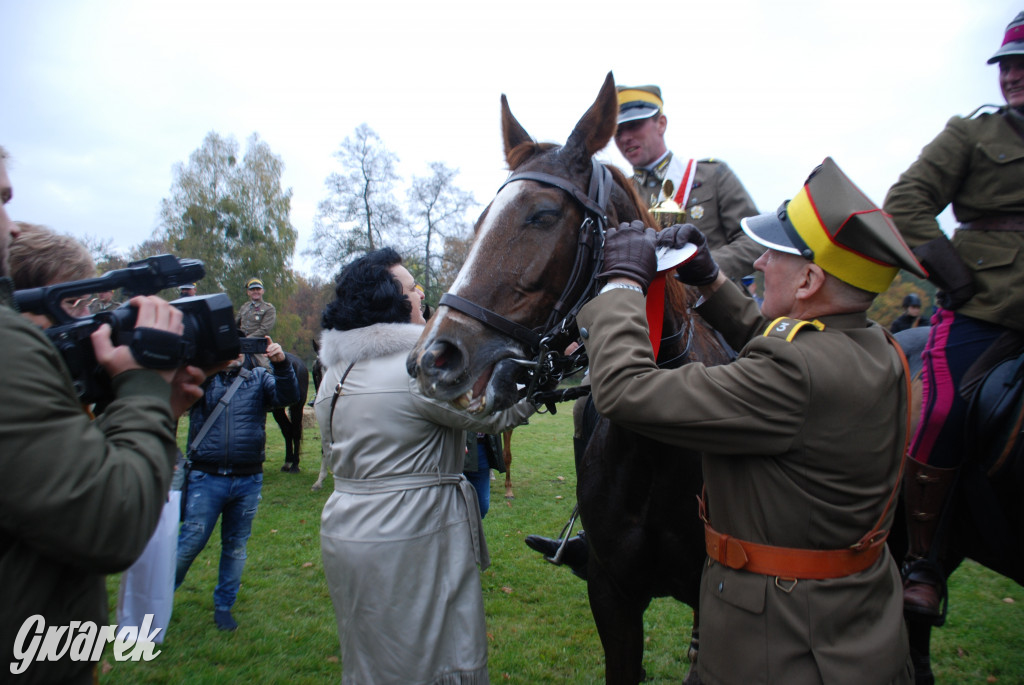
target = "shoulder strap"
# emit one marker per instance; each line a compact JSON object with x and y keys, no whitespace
{"x":219,"y":409}
{"x":786,"y":328}
{"x":334,"y":400}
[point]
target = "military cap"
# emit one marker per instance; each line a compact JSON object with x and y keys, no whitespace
{"x":638,"y":102}
{"x":832,"y":223}
{"x":1013,"y":40}
{"x":253,"y":283}
{"x":187,"y":286}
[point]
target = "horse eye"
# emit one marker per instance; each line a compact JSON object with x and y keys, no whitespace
{"x":543,"y":217}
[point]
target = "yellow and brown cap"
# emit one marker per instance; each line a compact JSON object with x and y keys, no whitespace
{"x":638,"y":102}
{"x":832,"y":223}
{"x":253,"y":283}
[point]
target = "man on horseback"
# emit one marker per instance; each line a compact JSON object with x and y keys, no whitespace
{"x":803,"y":435}
{"x":705,"y":193}
{"x":977,"y":165}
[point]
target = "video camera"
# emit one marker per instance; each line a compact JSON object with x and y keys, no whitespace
{"x":210,"y":336}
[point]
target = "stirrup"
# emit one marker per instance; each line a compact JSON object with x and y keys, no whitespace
{"x":564,"y":536}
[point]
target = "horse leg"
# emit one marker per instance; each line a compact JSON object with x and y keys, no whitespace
{"x":506,"y":455}
{"x":620,"y":625}
{"x":323,"y":474}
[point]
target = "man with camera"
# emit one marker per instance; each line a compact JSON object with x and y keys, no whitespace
{"x":81,"y":497}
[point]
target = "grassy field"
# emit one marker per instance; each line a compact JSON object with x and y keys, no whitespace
{"x":538,"y":621}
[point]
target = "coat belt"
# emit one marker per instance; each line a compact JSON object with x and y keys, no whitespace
{"x":1010,"y":222}
{"x":789,"y":562}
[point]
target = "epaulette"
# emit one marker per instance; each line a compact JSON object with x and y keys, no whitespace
{"x":787,"y":328}
{"x":984,"y":109}
{"x":706,"y":160}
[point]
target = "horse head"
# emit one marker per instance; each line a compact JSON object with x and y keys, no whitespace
{"x":525,"y":262}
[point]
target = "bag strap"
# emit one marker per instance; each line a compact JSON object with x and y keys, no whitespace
{"x":219,"y":409}
{"x":334,"y":400}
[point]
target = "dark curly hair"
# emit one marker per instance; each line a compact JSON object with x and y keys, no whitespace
{"x":366,"y":292}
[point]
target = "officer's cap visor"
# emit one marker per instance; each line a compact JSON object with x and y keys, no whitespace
{"x":768,"y":230}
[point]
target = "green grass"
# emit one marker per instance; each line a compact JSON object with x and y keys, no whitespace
{"x":539,"y":625}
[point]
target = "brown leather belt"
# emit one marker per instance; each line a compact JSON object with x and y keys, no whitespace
{"x":790,"y":562}
{"x":1010,"y":222}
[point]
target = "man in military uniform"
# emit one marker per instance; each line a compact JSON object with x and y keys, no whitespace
{"x":187,"y":290}
{"x":803,"y":436}
{"x":256,"y":318}
{"x":104,"y":302}
{"x":705,"y":193}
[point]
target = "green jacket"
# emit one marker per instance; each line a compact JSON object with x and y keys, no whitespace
{"x":977,"y":164}
{"x":80,"y":498}
{"x":802,"y":442}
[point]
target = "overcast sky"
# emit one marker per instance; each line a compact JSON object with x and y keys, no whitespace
{"x":100,"y":98}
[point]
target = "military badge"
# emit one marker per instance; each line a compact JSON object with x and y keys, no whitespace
{"x":697,"y":212}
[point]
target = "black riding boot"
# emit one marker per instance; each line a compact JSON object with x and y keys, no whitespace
{"x":574,"y":554}
{"x":925,"y":489}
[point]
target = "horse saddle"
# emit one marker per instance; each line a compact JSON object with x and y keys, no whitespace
{"x":996,"y":412}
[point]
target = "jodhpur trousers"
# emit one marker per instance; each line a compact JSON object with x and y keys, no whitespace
{"x":954,"y":343}
{"x":208,"y":496}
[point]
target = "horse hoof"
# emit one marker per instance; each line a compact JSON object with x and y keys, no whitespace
{"x":316,"y":486}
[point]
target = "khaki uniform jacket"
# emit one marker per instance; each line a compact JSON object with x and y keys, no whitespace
{"x":256,"y":320}
{"x":401,"y":534}
{"x":802,"y":442}
{"x":716,"y":204}
{"x":80,"y":498}
{"x":977,"y":164}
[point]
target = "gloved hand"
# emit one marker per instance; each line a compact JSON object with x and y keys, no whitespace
{"x":701,"y":269}
{"x":629,"y":252}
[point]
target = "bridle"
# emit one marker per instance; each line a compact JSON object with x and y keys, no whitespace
{"x":549,"y":365}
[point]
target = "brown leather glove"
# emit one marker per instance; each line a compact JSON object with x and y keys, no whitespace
{"x":947,"y":270}
{"x":701,"y":269}
{"x":629,"y":252}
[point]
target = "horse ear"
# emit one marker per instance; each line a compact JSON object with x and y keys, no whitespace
{"x":512,"y":131}
{"x":596,"y":127}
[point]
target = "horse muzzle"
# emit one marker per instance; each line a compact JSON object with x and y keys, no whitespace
{"x":486,"y":382}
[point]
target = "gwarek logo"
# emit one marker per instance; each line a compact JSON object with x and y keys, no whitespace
{"x":81,"y":641}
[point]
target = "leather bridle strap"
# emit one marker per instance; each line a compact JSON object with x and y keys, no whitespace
{"x":525,"y":335}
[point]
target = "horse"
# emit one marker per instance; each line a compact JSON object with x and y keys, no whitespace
{"x":506,"y":456}
{"x":289,"y":419}
{"x":537,"y":249}
{"x":984,"y":520}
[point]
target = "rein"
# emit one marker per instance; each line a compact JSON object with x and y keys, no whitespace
{"x":549,"y":365}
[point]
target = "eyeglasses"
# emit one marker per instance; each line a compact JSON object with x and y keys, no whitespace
{"x":76,"y":306}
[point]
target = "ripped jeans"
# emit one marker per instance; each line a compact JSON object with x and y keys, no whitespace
{"x":208,"y":496}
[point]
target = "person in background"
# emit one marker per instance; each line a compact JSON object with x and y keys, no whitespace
{"x":187,"y":290}
{"x":482,"y":450}
{"x":224,"y":472}
{"x":750,"y":285}
{"x":911,"y":316}
{"x":257,"y":316}
{"x":976,"y":164}
{"x":104,"y":302}
{"x":401,"y":534}
{"x":81,"y":498}
{"x":802,"y":436}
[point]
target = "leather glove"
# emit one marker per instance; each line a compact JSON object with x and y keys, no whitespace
{"x":629,"y":252}
{"x":946,"y":269}
{"x":701,"y":269}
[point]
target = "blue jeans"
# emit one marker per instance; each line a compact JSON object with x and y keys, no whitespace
{"x":208,"y":496}
{"x":481,"y":479}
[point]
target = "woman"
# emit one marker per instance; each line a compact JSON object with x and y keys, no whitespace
{"x":977,"y":164}
{"x":42,"y":257}
{"x":401,"y":534}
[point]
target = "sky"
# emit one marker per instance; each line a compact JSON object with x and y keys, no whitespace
{"x":99,"y":99}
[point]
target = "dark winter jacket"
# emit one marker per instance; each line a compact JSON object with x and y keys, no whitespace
{"x":236,"y":442}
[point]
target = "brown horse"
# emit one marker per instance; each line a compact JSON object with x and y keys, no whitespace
{"x":508,"y":316}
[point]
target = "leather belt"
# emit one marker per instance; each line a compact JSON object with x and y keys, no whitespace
{"x":1010,"y":222}
{"x":791,"y":562}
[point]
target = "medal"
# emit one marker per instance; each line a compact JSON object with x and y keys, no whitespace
{"x":697,"y":212}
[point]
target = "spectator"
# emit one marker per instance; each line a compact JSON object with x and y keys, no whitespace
{"x":911,"y":316}
{"x":224,"y":472}
{"x":401,"y":533}
{"x":41,"y":257}
{"x":187,"y":290}
{"x":482,"y":450}
{"x":104,"y":302}
{"x":81,"y":498}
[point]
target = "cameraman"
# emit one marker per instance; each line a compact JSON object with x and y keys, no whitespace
{"x":80,"y":498}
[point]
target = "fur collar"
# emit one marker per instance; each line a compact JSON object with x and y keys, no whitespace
{"x":369,"y":342}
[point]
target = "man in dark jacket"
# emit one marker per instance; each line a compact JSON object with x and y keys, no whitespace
{"x":225,"y":468}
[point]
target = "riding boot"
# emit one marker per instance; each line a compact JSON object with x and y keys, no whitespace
{"x":925,"y":490}
{"x":574,"y":553}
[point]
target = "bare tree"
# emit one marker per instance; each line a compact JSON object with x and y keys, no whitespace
{"x":360,"y":212}
{"x":440,"y":208}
